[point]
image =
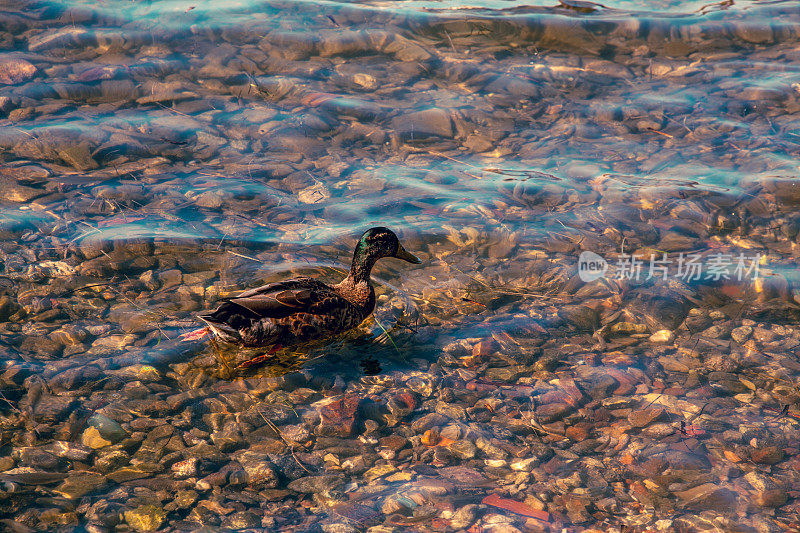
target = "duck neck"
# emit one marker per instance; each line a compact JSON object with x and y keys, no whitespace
{"x":361,"y":268}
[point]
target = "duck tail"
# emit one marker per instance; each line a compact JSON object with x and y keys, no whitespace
{"x":221,"y":330}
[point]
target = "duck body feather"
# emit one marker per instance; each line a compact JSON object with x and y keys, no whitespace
{"x":301,"y":310}
{"x":291,"y":312}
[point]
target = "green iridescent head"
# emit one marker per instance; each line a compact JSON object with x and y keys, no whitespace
{"x":374,"y":244}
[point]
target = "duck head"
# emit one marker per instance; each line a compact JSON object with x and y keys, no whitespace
{"x":375,"y":244}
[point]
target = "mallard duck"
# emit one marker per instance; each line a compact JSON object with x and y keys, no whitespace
{"x":301,"y":310}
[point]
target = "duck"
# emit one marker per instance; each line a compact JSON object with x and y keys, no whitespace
{"x":302,"y":309}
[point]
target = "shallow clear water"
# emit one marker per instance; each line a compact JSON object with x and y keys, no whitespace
{"x":158,"y":156}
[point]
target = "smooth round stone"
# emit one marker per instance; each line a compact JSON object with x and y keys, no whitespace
{"x":107,"y":428}
{"x":91,"y":437}
{"x":145,"y":517}
{"x":662,"y":336}
{"x":741,"y":334}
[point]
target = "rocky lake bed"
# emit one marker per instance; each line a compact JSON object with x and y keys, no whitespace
{"x":602,"y":336}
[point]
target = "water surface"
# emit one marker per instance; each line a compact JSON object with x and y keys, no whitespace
{"x":158,"y":156}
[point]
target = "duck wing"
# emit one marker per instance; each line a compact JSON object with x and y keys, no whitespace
{"x":286,"y":298}
{"x":267,"y":309}
{"x":264,"y":315}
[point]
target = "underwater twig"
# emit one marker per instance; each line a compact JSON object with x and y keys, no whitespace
{"x":387,"y":333}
